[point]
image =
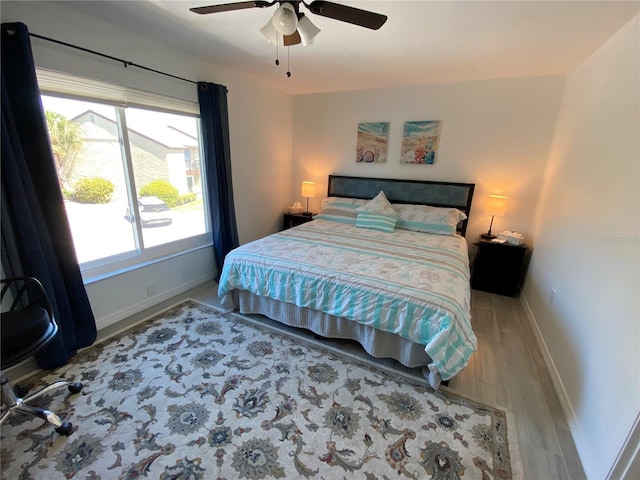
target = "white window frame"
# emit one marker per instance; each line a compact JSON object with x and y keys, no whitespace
{"x":79,"y":88}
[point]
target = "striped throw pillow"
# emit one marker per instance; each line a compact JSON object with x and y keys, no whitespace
{"x":377,"y":214}
{"x":339,"y":209}
{"x":376,"y":221}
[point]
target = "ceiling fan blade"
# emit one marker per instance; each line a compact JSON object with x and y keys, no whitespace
{"x":293,"y":39}
{"x":227,"y":7}
{"x":344,"y":13}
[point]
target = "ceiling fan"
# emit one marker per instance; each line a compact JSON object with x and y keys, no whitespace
{"x":293,"y":25}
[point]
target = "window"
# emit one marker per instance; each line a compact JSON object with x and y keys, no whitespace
{"x":131,"y":177}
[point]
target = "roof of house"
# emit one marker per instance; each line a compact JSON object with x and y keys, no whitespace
{"x":165,"y":135}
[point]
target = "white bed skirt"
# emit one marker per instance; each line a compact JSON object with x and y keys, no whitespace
{"x":377,"y":343}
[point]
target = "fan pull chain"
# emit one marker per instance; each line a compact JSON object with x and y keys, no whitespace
{"x":277,"y":61}
{"x":288,"y":69}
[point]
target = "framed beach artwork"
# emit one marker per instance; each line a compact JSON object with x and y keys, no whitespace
{"x":373,"y":140}
{"x":420,"y":142}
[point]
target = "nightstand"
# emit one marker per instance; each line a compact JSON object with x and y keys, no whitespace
{"x":295,"y":219}
{"x":498,"y":267}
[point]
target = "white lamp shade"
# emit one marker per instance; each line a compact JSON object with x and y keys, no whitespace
{"x":270,"y":32}
{"x":496,"y":205}
{"x":309,"y":189}
{"x":285,"y":19}
{"x":307,"y":30}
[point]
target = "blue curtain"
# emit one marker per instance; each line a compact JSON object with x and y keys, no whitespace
{"x":36,"y":238}
{"x":214,"y":117}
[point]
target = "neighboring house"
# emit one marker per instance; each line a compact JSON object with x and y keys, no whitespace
{"x":166,"y":154}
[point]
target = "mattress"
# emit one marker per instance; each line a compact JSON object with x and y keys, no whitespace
{"x":411,"y":284}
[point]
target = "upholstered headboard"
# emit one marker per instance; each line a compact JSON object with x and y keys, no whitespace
{"x":418,"y":192}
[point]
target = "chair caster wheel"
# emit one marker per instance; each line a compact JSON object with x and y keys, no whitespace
{"x":65,"y":429}
{"x":75,"y":387}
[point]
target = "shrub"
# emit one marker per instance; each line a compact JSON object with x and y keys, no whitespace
{"x":93,"y":190}
{"x":187,"y":198}
{"x":163,"y":190}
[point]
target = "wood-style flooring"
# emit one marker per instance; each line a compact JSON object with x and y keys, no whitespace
{"x":507,"y":371}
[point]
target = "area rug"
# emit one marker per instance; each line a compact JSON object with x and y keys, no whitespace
{"x":197,"y":394}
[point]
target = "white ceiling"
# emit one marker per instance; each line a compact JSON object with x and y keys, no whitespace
{"x":422,"y":42}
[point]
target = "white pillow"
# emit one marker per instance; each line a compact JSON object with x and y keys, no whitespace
{"x":425,"y":218}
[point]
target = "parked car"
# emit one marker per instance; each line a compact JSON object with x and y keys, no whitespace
{"x":153,"y":212}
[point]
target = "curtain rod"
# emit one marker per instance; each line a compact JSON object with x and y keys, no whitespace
{"x":116,"y":59}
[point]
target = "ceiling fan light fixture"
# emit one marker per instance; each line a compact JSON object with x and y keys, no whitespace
{"x":292,"y":25}
{"x":285,"y":19}
{"x":270,"y":32}
{"x":307,"y":30}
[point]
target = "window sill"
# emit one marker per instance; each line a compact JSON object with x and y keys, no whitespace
{"x":88,"y":280}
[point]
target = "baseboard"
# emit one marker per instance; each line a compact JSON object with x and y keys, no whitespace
{"x":131,"y":310}
{"x":627,"y":464}
{"x":561,"y":392}
{"x":23,"y":370}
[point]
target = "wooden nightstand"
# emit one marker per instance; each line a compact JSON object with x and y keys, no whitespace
{"x":295,"y":219}
{"x":498,"y":267}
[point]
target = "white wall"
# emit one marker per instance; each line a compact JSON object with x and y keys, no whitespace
{"x":495,"y":133}
{"x":587,"y":236}
{"x":120,"y":296}
{"x":259,"y":122}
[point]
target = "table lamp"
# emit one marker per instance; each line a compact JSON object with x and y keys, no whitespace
{"x":495,"y":206}
{"x":308,"y":191}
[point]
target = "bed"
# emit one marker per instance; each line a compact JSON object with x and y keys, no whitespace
{"x":402,"y":290}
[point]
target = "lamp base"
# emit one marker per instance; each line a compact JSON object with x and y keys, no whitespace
{"x":487,"y":236}
{"x":307,"y":214}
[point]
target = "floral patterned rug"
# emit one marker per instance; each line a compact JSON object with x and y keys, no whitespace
{"x":197,"y":394}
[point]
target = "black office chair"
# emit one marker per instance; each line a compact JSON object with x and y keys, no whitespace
{"x":27,"y":326}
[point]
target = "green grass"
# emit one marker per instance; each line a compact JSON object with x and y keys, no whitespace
{"x":195,"y":205}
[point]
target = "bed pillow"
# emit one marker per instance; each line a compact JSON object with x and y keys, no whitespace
{"x":425,"y":218}
{"x":340,"y":209}
{"x":377,"y":214}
